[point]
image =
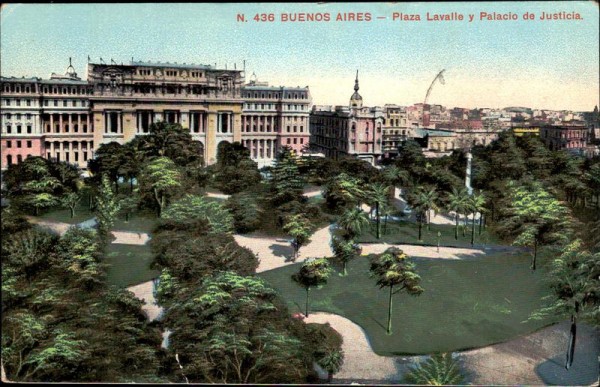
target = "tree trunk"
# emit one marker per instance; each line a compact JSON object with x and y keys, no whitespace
{"x":91,"y":201}
{"x":480,"y":222}
{"x":378,"y":219}
{"x":473,"y":230}
{"x":385,"y":224}
{"x":36,"y":211}
{"x":131,"y":184}
{"x":344,"y":271}
{"x":307,"y":290}
{"x":72,"y":212}
{"x":572,"y":338}
{"x":127,"y":217}
{"x":456,"y":228}
{"x":329,"y":376}
{"x":465,"y":220}
{"x":389,"y":324}
{"x":420,"y":226}
{"x":535,"y":243}
{"x":428,"y":219}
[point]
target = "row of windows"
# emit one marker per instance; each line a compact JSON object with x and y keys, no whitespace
{"x":295,"y":141}
{"x":18,"y":116}
{"x":18,"y":144}
{"x":12,"y":88}
{"x":65,"y":103}
{"x":18,"y":129}
{"x":275,"y":95}
{"x":169,"y":73}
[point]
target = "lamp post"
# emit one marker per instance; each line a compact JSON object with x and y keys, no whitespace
{"x":468,"y":175}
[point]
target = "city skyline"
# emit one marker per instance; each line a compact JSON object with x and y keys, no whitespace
{"x":493,"y":64}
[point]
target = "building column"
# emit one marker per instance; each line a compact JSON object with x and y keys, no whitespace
{"x":51,"y":122}
{"x":60,"y":123}
{"x":87,"y":122}
{"x":79,"y":123}
{"x":70,"y":123}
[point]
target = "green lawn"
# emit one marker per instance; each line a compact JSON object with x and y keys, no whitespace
{"x":466,"y":303}
{"x":404,"y":232}
{"x":129,"y":264}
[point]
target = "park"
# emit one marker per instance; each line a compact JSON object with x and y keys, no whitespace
{"x":229,"y":257}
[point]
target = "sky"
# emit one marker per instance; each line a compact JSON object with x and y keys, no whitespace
{"x":542,"y":64}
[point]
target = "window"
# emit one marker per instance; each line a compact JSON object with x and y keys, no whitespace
{"x":19,"y":129}
{"x":28,"y":144}
{"x":55,"y":103}
{"x":302,"y":141}
{"x":288,"y":141}
{"x":9,"y":129}
{"x":28,"y":116}
{"x":18,"y":102}
{"x":8,"y":116}
{"x":29,"y":129}
{"x":18,"y":143}
{"x":8,"y":102}
{"x":295,"y":140}
{"x":19,"y":116}
{"x":9,"y":144}
{"x":288,"y":128}
{"x":65,"y":103}
{"x":45,"y":102}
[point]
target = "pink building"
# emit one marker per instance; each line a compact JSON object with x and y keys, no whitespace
{"x":274,"y":117}
{"x":338,"y":131}
{"x":564,"y":137}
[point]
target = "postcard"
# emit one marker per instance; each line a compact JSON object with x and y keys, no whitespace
{"x":308,"y":193}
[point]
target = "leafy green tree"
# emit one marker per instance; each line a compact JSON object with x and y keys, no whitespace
{"x":379,"y":195}
{"x":233,"y":329}
{"x":128,"y":203}
{"x":192,"y":208}
{"x":575,"y":283}
{"x":285,"y":181}
{"x":235,"y":170}
{"x":353,"y":221}
{"x":343,"y":190}
{"x":300,"y":229}
{"x":423,"y":201}
{"x":394,"y":270}
{"x":106,"y":208}
{"x":439,"y":370}
{"x":592,"y":180}
{"x":396,"y":177}
{"x":534,"y":217}
{"x":108,"y":160}
{"x":476,"y":204}
{"x":331,"y":361}
{"x":171,"y":141}
{"x":246,"y":212}
{"x":344,"y":251}
{"x":161,"y":177}
{"x":312,"y":274}
{"x":457,"y":202}
{"x":71,"y":200}
{"x":31,"y":184}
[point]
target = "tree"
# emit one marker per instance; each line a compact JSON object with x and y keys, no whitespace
{"x":234,"y":329}
{"x":476,"y":204}
{"x":108,"y":161}
{"x":352,"y":222}
{"x":32,"y":184}
{"x":128,"y":203}
{"x":235,"y":170}
{"x":106,"y":208}
{"x":342,"y":190}
{"x":423,"y":201}
{"x":457,"y":201}
{"x":299,"y":228}
{"x":344,"y":251}
{"x":439,"y":370}
{"x":575,"y":283}
{"x":171,"y":141}
{"x":312,"y":274}
{"x":246,"y":212}
{"x":285,"y":182}
{"x":71,"y":200}
{"x":160,"y":176}
{"x":379,"y":195}
{"x":534,"y":217}
{"x":393,"y":269}
{"x":191,"y":208}
{"x":331,"y":361}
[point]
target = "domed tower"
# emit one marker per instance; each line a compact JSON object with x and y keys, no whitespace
{"x":356,"y":101}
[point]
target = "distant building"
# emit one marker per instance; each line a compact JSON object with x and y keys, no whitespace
{"x":348,"y":131}
{"x":48,"y":118}
{"x":397,"y":128}
{"x":127,"y":99}
{"x":274,"y":117}
{"x":526,"y":131}
{"x":565,"y":137}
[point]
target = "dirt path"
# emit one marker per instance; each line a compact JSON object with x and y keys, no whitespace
{"x":275,"y":252}
{"x":534,"y":359}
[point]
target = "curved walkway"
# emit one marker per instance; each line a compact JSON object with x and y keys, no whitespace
{"x":275,"y":252}
{"x":534,"y":359}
